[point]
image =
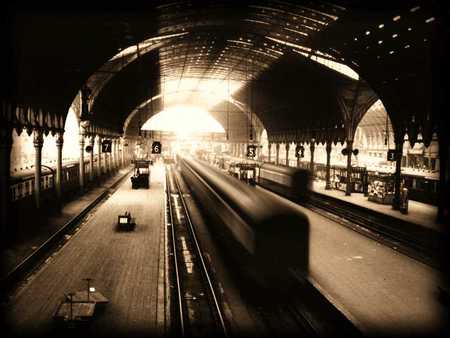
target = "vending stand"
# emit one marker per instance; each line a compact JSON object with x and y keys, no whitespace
{"x":381,"y":188}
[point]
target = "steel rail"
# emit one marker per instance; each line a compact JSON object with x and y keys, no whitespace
{"x":202,"y":261}
{"x":175,"y":257}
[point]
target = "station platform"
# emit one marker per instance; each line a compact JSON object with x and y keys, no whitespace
{"x":43,"y":228}
{"x":383,"y":292}
{"x":127,"y":267}
{"x":418,"y":213}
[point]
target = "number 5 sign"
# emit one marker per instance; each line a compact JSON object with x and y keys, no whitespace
{"x":106,"y":146}
{"x":251,"y":151}
{"x":156,"y":147}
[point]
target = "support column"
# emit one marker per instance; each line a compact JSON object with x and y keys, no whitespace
{"x":91,"y":158}
{"x":58,"y":180}
{"x":119,"y":153}
{"x":398,"y":170}
{"x":269,"y":157}
{"x":277,"y":153}
{"x":38,"y":142}
{"x":348,"y":189}
{"x":312,"y":147}
{"x":123,"y":151}
{"x":99,"y":157}
{"x":297,"y":145}
{"x":119,"y":157}
{"x":116,"y":155}
{"x":287,"y":154}
{"x":83,"y":125}
{"x":5,"y":163}
{"x":107,"y":164}
{"x":258,"y":152}
{"x":327,"y":170}
{"x":108,"y":156}
{"x":111,"y":157}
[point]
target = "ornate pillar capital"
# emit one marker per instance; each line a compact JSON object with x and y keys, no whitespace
{"x":59,"y":138}
{"x":84,"y":126}
{"x":38,"y":138}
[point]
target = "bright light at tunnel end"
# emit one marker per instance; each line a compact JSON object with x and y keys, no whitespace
{"x":184,"y":120}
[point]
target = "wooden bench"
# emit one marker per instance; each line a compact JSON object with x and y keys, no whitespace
{"x":74,"y":311}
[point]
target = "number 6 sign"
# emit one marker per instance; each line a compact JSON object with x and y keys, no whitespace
{"x":156,"y":147}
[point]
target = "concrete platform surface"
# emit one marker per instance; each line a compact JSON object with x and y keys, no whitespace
{"x":382,"y":291}
{"x":418,"y":213}
{"x":124,"y":267}
{"x":43,"y":229}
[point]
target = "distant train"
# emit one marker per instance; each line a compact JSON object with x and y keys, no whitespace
{"x":420,"y":188}
{"x":263,"y":236}
{"x":22,"y":193}
{"x":22,"y":185}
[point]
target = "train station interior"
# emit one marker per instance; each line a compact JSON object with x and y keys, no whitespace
{"x":260,"y":168}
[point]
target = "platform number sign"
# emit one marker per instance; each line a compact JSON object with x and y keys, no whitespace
{"x":299,"y":151}
{"x":106,"y":146}
{"x":251,"y":151}
{"x":391,"y":155}
{"x":156,"y":147}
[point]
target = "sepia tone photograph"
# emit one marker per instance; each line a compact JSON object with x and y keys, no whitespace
{"x":213,"y":168}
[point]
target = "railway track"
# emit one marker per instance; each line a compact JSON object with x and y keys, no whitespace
{"x":196,"y":309}
{"x":296,"y":308}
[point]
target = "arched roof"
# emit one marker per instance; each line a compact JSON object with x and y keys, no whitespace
{"x":54,"y":52}
{"x":299,"y":95}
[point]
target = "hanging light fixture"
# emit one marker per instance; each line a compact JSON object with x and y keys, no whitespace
{"x":386,"y":135}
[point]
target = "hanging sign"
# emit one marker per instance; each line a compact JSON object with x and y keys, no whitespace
{"x":251,"y":151}
{"x":391,"y":155}
{"x":156,"y":147}
{"x":106,"y":146}
{"x":299,"y":151}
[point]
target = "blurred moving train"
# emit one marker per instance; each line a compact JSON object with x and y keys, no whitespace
{"x":264,"y":237}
